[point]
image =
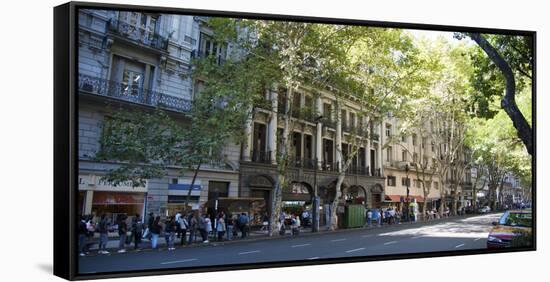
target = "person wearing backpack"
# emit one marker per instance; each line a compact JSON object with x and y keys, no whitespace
{"x":136,"y":229}
{"x":122,"y":233}
{"x":103,"y":229}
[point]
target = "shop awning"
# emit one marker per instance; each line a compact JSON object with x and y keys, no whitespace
{"x":403,"y":198}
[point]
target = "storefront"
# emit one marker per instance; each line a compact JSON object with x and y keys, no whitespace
{"x":97,"y":196}
{"x":178,"y":191}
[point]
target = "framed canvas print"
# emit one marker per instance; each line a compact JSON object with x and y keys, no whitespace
{"x":193,"y":140}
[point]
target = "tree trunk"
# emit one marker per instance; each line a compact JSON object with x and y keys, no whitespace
{"x":192,"y":184}
{"x":334,"y":207}
{"x":508,"y":102}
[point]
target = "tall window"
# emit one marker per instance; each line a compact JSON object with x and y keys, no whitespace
{"x":415,"y":157}
{"x":404,"y":155}
{"x":388,"y":130}
{"x":217,"y":189}
{"x":391,"y":180}
{"x":414,"y":137}
{"x":131,"y":82}
{"x":389,"y":154}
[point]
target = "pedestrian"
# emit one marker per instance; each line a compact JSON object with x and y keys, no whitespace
{"x":369,"y":217}
{"x":397,"y":216}
{"x":229,"y":226}
{"x":193,"y":227}
{"x":155,"y":230}
{"x":265,"y":222}
{"x":183,"y":226}
{"x":82,"y":235}
{"x":136,"y":231}
{"x":235,"y":220}
{"x":202,"y":229}
{"x":295,"y":226}
{"x":220,"y":227}
{"x":170,"y":230}
{"x":122,"y":233}
{"x":208,"y":225}
{"x":381,"y":217}
{"x":305,"y":217}
{"x":90,"y":227}
{"x":150,"y":220}
{"x":243,"y":224}
{"x":103,"y":229}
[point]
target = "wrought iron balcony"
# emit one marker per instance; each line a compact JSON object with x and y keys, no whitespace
{"x":137,"y":34}
{"x":261,"y":156}
{"x":359,"y":170}
{"x":138,"y":95}
{"x":375,"y":137}
{"x":302,"y":163}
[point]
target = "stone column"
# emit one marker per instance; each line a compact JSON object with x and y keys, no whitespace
{"x":319,"y":136}
{"x":88,"y":201}
{"x":367,"y":144}
{"x":380,"y":163}
{"x":247,"y":147}
{"x":338,"y":137}
{"x":272,"y":127}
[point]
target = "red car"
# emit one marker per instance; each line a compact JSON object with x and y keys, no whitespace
{"x":511,"y":225}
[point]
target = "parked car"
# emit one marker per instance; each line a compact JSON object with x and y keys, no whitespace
{"x":514,"y":229}
{"x":485,"y":209}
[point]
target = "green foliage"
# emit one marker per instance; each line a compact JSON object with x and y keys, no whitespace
{"x":488,"y":80}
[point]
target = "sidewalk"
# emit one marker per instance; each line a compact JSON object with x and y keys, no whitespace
{"x":112,"y":245}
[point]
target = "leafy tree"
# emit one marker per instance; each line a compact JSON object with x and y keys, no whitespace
{"x":510,"y":64}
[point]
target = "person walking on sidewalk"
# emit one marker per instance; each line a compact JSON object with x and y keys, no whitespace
{"x":103,"y":229}
{"x":220,"y":227}
{"x":122,"y":233}
{"x":136,"y":230}
{"x":155,"y":232}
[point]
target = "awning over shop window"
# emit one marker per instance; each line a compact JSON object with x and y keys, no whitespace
{"x":400,"y":198}
{"x":117,"y":198}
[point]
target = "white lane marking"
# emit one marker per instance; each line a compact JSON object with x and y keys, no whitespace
{"x":313,"y":258}
{"x":355,"y":250}
{"x":477,"y":239}
{"x":338,"y":240}
{"x":302,"y":245}
{"x":417,"y":237}
{"x":178,"y":261}
{"x":250,"y":252}
{"x":390,"y":242}
{"x":458,"y":246}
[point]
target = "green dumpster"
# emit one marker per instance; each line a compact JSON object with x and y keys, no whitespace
{"x":354,"y":216}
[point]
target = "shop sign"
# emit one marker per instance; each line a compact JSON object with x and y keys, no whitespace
{"x":95,"y":182}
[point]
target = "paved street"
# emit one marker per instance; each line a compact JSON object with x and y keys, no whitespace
{"x":452,"y":234}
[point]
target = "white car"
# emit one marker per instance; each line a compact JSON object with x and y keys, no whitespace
{"x":484,"y":209}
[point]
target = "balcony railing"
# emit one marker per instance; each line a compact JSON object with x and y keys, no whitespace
{"x":201,"y":54}
{"x":328,"y":122}
{"x":375,"y":137}
{"x":359,"y":170}
{"x":261,"y":156}
{"x":137,"y":34}
{"x":138,"y":95}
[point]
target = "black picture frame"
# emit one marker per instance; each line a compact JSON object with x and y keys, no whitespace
{"x":66,"y":138}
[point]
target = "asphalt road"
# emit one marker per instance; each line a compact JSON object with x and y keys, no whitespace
{"x":453,"y":234}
